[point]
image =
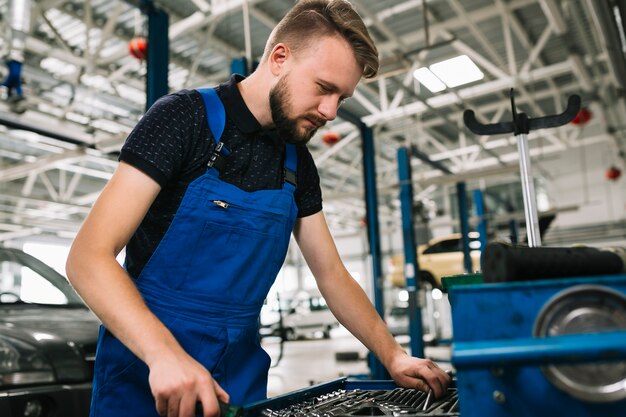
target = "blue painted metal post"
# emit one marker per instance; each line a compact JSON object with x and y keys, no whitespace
{"x":461,"y":194}
{"x":373,"y":233}
{"x":239,"y":66}
{"x":411,"y":265}
{"x":514,"y":231}
{"x":479,"y":202}
{"x":158,"y":53}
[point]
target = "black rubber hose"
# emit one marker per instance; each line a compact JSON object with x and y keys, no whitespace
{"x":502,"y":262}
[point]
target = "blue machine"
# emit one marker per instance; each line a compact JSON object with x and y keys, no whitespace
{"x":541,"y":348}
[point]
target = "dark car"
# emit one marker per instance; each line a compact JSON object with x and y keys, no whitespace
{"x":47,"y":341}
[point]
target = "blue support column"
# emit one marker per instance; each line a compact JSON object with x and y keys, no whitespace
{"x":373,"y":232}
{"x":158,"y":53}
{"x":239,"y":66}
{"x":371,"y":202}
{"x":461,"y":194}
{"x":479,"y":202}
{"x":411,"y":265}
{"x":514,"y":231}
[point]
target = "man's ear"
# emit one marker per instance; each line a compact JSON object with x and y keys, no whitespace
{"x":278,"y":57}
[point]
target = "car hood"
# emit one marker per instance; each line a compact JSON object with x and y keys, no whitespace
{"x":71,"y":324}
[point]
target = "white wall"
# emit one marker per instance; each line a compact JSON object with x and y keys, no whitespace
{"x":578,"y":179}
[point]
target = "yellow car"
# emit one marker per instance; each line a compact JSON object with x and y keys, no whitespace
{"x":441,"y":257}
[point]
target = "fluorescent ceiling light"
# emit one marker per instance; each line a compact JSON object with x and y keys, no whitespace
{"x":57,"y":67}
{"x":78,"y":118}
{"x":429,"y":80}
{"x":451,"y":73}
{"x":457,"y":71}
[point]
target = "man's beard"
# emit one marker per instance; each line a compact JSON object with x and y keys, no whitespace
{"x":287,"y":127}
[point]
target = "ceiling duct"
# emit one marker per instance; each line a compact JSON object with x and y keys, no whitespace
{"x":19,"y":26}
{"x":610,"y":35}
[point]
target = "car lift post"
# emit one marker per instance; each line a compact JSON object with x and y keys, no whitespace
{"x":411,"y":265}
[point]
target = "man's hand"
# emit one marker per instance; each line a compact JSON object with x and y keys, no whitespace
{"x":422,"y":374}
{"x":178,"y":382}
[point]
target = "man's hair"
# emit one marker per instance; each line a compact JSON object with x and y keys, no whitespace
{"x":311,"y":19}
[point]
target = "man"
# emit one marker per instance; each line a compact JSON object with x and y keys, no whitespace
{"x":204,"y":245}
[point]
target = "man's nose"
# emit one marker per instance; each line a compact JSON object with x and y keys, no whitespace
{"x":328,"y":107}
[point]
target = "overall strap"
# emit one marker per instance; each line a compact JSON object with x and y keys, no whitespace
{"x":216,"y":119}
{"x":215,"y":113}
{"x":291,"y":164}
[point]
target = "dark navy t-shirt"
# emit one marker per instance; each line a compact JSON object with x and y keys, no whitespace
{"x":172,"y":144}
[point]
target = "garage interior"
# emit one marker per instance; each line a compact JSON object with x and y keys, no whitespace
{"x":401,"y":173}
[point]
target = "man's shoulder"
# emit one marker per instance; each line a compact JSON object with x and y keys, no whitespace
{"x":185,"y":94}
{"x":183,"y":97}
{"x":184,"y":104}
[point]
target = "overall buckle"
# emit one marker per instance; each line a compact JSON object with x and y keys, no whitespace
{"x":215,"y":159}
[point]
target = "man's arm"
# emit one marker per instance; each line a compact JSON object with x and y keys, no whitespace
{"x":177,"y":381}
{"x":353,"y":309}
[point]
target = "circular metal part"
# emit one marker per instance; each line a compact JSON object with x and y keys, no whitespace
{"x":579,"y":310}
{"x":499,"y":397}
{"x":33,"y":408}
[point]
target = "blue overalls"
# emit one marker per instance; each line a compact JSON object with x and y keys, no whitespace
{"x":206,"y":282}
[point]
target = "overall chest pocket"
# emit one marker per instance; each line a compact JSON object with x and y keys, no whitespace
{"x":238,"y":254}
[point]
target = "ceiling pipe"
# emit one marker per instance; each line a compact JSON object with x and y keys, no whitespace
{"x":19,"y":26}
{"x":611,"y":38}
{"x":621,"y":10}
{"x":616,"y":61}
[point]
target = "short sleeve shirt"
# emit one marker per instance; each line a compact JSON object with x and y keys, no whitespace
{"x":172,"y":144}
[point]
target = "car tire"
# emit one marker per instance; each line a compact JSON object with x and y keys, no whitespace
{"x":290,"y":334}
{"x":427,"y":278}
{"x":326,"y":333}
{"x":347,"y":356}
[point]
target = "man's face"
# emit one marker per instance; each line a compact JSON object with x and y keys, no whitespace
{"x":289,"y":127}
{"x":310,"y":90}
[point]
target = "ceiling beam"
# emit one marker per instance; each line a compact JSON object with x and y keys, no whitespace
{"x":41,"y":164}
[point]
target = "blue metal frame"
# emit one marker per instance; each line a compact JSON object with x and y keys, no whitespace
{"x":461,"y":194}
{"x":373,"y":230}
{"x":411,"y":265}
{"x":239,"y":66}
{"x":373,"y":233}
{"x":158,"y":53}
{"x":479,"y":202}
{"x":540,"y":350}
{"x":499,"y":363}
{"x":514,"y":231}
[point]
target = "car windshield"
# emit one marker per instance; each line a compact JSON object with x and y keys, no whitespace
{"x":26,"y":280}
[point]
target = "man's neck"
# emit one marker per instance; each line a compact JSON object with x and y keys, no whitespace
{"x":255,"y":93}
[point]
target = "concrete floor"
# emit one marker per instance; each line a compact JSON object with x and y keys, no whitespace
{"x":309,"y":362}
